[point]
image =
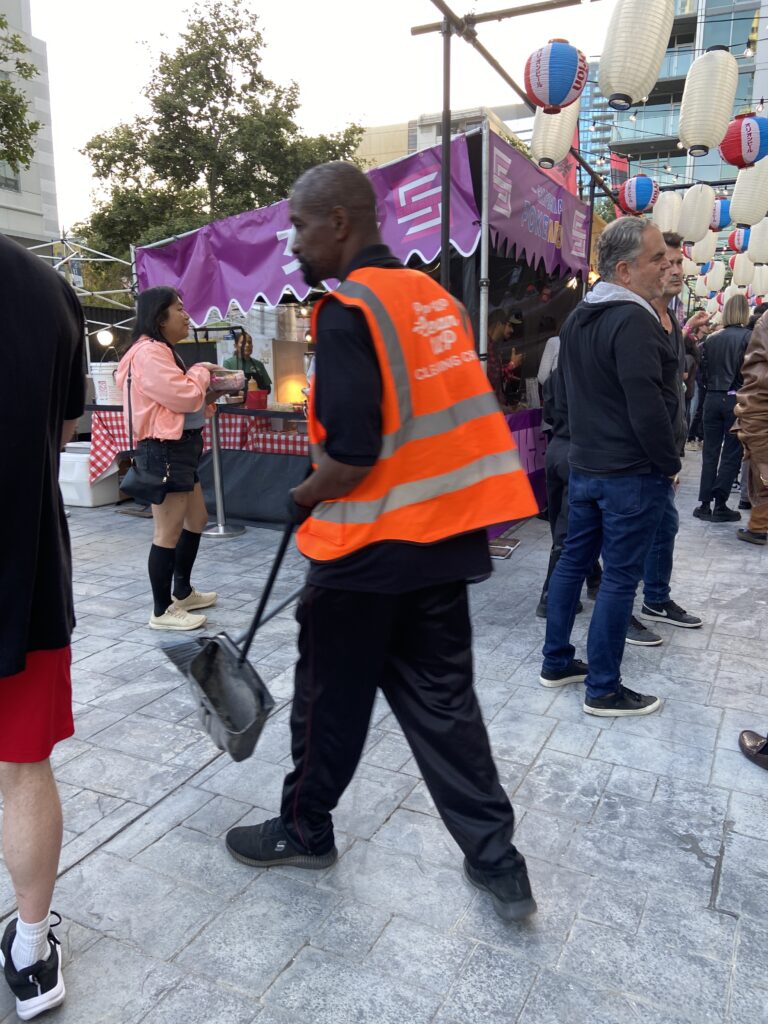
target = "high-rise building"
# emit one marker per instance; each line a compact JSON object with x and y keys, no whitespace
{"x":28,"y":210}
{"x":647,"y":134}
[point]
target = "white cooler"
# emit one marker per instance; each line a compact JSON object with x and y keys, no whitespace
{"x":73,"y":479}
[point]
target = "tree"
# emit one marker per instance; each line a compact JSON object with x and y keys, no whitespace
{"x":220,"y":138}
{"x":604,"y":208}
{"x":17,"y":132}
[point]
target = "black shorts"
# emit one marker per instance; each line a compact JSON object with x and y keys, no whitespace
{"x":183,"y":457}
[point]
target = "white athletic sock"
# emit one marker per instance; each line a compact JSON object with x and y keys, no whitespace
{"x":30,"y":943}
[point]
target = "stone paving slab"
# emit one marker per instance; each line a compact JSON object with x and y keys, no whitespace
{"x":647,"y":839}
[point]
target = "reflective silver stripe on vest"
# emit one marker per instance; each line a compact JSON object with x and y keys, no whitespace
{"x":388,"y":332}
{"x":433,"y":423}
{"x":403,"y":495}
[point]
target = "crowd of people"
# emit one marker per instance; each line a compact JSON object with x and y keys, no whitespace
{"x":409,"y":469}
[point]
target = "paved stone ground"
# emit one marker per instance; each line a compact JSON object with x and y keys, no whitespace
{"x":647,"y":839}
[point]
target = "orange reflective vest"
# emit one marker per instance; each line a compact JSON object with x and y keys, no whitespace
{"x":447,"y":463}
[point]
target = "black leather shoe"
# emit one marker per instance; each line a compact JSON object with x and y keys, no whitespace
{"x":510,"y":890}
{"x":723,"y":514}
{"x":703,"y":512}
{"x":745,"y":506}
{"x":755,"y":747}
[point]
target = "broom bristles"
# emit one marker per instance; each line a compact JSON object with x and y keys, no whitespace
{"x":182,"y":653}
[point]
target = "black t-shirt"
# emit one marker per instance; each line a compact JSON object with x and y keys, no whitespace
{"x":348,"y":403}
{"x":44,"y":384}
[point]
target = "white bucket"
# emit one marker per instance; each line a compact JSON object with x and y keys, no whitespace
{"x":106,"y":392}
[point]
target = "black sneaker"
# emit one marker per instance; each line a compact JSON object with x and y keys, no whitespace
{"x":269,"y":845}
{"x":576,"y":672}
{"x":620,"y":704}
{"x":592,"y":590}
{"x":752,"y":536}
{"x":541,"y":609}
{"x":723,"y":514}
{"x":744,"y":505}
{"x":38,"y":987}
{"x":639,"y":636}
{"x":671,"y":613}
{"x":703,"y":512}
{"x":510,"y":892}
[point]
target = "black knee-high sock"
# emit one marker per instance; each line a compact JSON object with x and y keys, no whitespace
{"x":186,"y":553}
{"x":160,"y":565}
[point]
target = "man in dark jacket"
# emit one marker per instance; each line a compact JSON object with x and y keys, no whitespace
{"x":623,"y":397}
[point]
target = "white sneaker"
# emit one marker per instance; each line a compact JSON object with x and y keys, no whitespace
{"x":195,"y":599}
{"x":176,"y":618}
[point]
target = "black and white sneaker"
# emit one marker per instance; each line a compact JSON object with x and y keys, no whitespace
{"x":576,"y":672}
{"x":670,"y":612}
{"x":268,"y":845}
{"x":621,"y":704}
{"x":38,"y":987}
{"x":639,"y":636}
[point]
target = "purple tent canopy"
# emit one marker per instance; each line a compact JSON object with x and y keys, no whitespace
{"x":248,"y":256}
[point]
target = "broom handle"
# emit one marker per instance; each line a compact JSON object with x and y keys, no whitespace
{"x":273,"y":612}
{"x":266,"y":592}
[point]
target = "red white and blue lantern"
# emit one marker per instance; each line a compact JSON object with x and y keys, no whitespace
{"x":555,"y":75}
{"x":638,"y":194}
{"x":738,"y":240}
{"x":746,"y":140}
{"x":721,"y":214}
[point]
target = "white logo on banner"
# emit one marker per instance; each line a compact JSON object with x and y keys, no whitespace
{"x":288,"y":235}
{"x":579,"y":234}
{"x":413,"y":194}
{"x":502,"y":202}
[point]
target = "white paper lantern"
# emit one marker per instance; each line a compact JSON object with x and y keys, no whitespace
{"x":717,"y":318}
{"x":696,"y":214}
{"x":731,"y":290}
{"x":666,"y":212}
{"x":743,"y":270}
{"x":760,"y":280}
{"x":700,"y":289}
{"x":690,"y":269}
{"x":637,"y":39}
{"x":757,"y":250}
{"x":716,"y":276}
{"x":553,"y":134}
{"x":713,"y":306}
{"x":749,"y":202}
{"x":707,"y":105}
{"x":704,"y":250}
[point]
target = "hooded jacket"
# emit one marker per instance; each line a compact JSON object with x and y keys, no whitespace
{"x":752,"y":400}
{"x":621,"y":381}
{"x":161,"y":392}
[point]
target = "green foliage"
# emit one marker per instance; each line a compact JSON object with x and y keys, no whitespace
{"x":17,"y":132}
{"x":604,"y":208}
{"x":220,"y":138}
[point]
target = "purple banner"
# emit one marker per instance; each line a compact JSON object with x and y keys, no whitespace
{"x":529,"y":211}
{"x":248,"y":256}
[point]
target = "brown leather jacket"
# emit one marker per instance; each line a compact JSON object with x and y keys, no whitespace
{"x":752,"y":399}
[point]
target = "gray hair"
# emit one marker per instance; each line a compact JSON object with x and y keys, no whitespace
{"x":620,"y":242}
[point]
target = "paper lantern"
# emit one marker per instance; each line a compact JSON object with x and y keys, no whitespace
{"x":706,"y":267}
{"x":637,"y":39}
{"x":716,"y":276}
{"x":705,"y":248}
{"x":700,"y":289}
{"x":638,"y":194}
{"x":666,"y":211}
{"x":555,"y":75}
{"x":696,"y":213}
{"x":730,"y":291}
{"x":749,"y":201}
{"x":553,"y":134}
{"x":721,"y":213}
{"x":745,"y":141}
{"x":689,"y":267}
{"x":743,"y":269}
{"x":738,"y":240}
{"x":760,"y":280}
{"x":705,"y":111}
{"x":713,"y":306}
{"x":757,"y":249}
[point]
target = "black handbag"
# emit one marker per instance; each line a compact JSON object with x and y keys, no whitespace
{"x":140,"y":483}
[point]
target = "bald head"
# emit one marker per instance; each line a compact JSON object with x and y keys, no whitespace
{"x":333,"y":211}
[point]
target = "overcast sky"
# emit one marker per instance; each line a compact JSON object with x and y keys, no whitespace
{"x":354,"y":60}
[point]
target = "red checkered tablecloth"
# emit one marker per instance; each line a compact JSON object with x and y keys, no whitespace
{"x":109,"y":438}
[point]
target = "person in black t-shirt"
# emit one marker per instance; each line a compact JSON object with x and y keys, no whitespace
{"x":43,"y":367}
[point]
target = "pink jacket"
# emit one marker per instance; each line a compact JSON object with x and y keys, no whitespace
{"x":160,"y":393}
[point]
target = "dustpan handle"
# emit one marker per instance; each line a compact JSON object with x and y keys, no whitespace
{"x":266,"y":592}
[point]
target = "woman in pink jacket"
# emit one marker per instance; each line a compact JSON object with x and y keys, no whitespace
{"x":169,"y":410}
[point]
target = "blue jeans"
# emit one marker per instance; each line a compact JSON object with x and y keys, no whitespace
{"x":658,"y":562}
{"x":618,"y":515}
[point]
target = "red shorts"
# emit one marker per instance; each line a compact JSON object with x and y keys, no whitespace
{"x":36,"y":707}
